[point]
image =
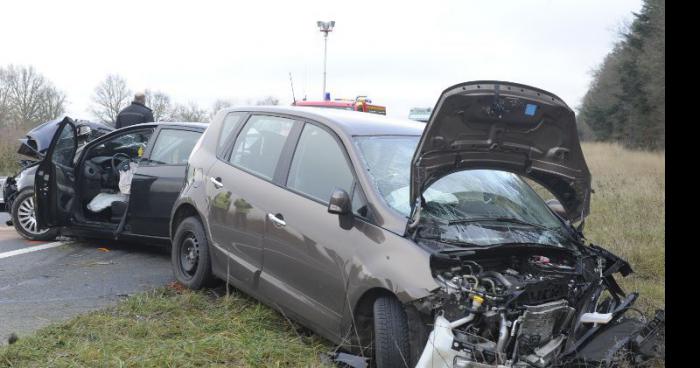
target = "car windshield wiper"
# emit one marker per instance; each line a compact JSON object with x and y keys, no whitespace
{"x":459,"y":243}
{"x":511,"y":220}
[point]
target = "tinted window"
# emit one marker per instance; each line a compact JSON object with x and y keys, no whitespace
{"x":173,"y":146}
{"x":228,"y":126}
{"x":319,"y":165}
{"x":260,"y":143}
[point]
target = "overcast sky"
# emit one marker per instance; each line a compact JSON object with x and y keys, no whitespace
{"x":400,"y":53}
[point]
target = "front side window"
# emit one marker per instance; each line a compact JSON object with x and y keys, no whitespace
{"x":260,"y":143}
{"x":132,"y":144}
{"x":64,"y":150}
{"x":173,"y":146}
{"x":319,"y":165}
{"x":228,"y":126}
{"x":475,"y":207}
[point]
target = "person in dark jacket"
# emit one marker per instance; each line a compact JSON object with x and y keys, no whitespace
{"x":136,"y":113}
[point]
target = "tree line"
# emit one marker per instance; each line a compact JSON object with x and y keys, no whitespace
{"x":27,"y":99}
{"x":626,"y":101}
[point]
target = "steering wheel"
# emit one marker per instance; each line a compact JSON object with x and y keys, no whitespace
{"x":124,"y":160}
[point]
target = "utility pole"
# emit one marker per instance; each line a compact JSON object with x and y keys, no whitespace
{"x":325,"y":27}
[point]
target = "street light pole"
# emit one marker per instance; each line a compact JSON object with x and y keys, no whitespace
{"x":325,"y":58}
{"x":325,"y":27}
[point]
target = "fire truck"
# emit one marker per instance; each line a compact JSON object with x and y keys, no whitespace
{"x":360,"y":103}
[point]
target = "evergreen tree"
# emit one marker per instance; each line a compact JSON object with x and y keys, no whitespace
{"x":626,"y":99}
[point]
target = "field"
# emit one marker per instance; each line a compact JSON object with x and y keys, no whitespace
{"x":169,"y":327}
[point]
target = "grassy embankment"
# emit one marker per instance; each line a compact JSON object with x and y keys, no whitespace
{"x":167,"y":328}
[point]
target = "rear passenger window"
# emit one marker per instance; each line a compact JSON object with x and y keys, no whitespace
{"x":319,"y":165}
{"x":228,"y":126}
{"x":173,"y":146}
{"x":260,"y":143}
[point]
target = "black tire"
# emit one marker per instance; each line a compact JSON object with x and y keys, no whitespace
{"x":24,"y":218}
{"x":391,"y":347}
{"x":190,"y":255}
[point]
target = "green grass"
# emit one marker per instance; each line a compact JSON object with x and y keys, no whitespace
{"x":165,"y":328}
{"x":168,"y":329}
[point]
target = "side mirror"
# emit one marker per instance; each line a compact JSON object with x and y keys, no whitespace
{"x":557,"y":208}
{"x":339,"y":203}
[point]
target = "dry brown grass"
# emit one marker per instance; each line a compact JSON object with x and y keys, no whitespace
{"x":628,"y":214}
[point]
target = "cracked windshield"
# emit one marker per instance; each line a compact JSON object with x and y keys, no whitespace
{"x":471,"y":207}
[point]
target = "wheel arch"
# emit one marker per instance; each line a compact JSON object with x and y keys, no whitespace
{"x":363,"y":318}
{"x":181,"y":212}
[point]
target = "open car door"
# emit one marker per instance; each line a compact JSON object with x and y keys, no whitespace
{"x":54,"y":183}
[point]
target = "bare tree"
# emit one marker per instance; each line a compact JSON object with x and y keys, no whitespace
{"x":191,"y":112}
{"x":220,"y":104}
{"x":110,"y":97}
{"x":5,"y":106}
{"x":269,"y":100}
{"x":27,"y":98}
{"x":53,"y":104}
{"x":161,"y":104}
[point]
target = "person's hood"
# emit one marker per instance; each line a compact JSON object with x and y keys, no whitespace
{"x":509,"y":127}
{"x":37,"y":140}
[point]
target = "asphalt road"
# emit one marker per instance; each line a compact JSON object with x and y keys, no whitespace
{"x":45,"y":282}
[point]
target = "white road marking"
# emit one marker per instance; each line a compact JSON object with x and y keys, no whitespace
{"x":31,"y":249}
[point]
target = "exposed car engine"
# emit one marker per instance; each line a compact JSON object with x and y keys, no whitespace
{"x":522,"y":310}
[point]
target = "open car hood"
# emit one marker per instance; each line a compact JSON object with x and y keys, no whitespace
{"x":509,"y":127}
{"x":37,"y":140}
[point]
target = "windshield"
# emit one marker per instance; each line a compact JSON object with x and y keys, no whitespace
{"x":475,"y":207}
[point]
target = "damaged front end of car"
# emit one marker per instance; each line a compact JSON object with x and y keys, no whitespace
{"x":522,"y":306}
{"x":519,"y":287}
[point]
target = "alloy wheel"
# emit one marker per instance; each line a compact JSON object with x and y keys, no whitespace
{"x":26,"y":215}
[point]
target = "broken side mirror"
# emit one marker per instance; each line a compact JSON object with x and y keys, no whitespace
{"x":339,"y":203}
{"x":557,"y":208}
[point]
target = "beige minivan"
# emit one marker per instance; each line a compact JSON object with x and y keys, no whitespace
{"x":412,"y":244}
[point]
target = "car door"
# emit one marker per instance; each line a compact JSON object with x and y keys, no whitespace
{"x":237,"y":184}
{"x":158,"y":180}
{"x":303,"y":253}
{"x":54,"y":183}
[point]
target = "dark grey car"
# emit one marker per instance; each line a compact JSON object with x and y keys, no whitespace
{"x":120,"y":185}
{"x":372,"y":231}
{"x":18,"y":190}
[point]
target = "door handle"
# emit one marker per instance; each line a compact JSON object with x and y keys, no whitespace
{"x":277,"y":221}
{"x":217,"y":182}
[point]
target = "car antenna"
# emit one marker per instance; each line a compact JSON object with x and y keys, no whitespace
{"x":294,"y":99}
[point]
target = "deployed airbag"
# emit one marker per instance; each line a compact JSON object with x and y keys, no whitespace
{"x":104,"y":200}
{"x":125,"y":177}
